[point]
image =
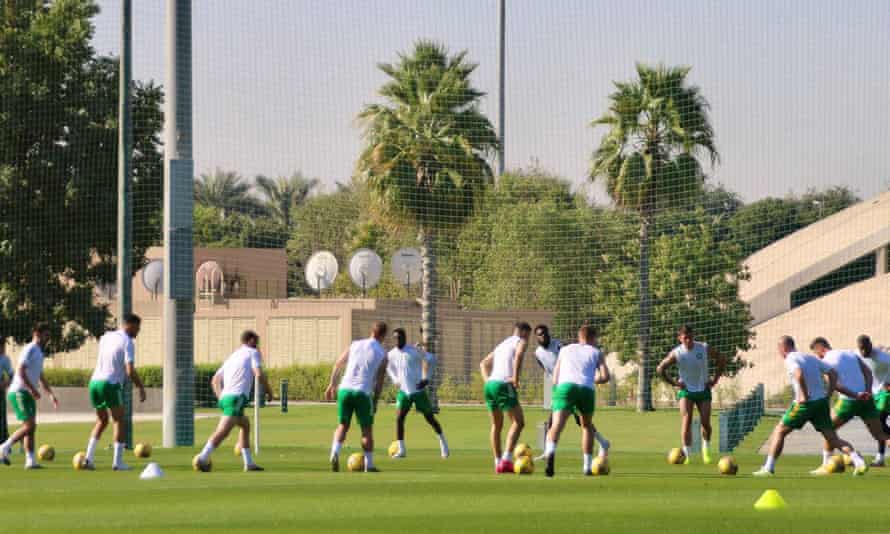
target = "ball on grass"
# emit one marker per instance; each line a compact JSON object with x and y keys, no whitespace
{"x":197,"y":465}
{"x":676,"y":456}
{"x":142,"y":450}
{"x":727,"y":466}
{"x":600,"y":466}
{"x":524,"y":465}
{"x":79,"y":460}
{"x":356,"y":462}
{"x":522,"y":450}
{"x":393,"y":449}
{"x":46,"y":453}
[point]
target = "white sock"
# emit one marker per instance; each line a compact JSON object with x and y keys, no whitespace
{"x":206,"y":452}
{"x":245,"y":454}
{"x":443,"y":445}
{"x":496,"y":462}
{"x":588,"y":462}
{"x":91,"y":448}
{"x":857,"y":460}
{"x":401,"y":446}
{"x":29,"y":458}
{"x":369,"y":460}
{"x":508,"y":456}
{"x":770,"y":464}
{"x":5,"y":447}
{"x":549,"y":448}
{"x":686,"y":451}
{"x":705,"y":446}
{"x":879,"y":457}
{"x":118,"y":454}
{"x":826,"y":455}
{"x":335,"y":448}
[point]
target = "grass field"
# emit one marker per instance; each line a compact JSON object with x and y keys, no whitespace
{"x":424,"y":493}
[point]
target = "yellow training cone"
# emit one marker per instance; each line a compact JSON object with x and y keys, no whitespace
{"x":770,"y":500}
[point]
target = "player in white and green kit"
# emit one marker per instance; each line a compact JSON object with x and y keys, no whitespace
{"x":579,"y":368}
{"x":694,"y":386}
{"x":23,"y":395}
{"x":116,"y":363}
{"x":232,"y":384}
{"x":363,"y":366}
{"x":409,"y":368}
{"x":878,"y":362}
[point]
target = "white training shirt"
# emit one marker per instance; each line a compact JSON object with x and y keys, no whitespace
{"x":812,"y":369}
{"x":578,"y":364}
{"x":31,"y":358}
{"x":693,"y":366}
{"x":405,"y":367}
{"x":237,"y":371}
{"x":879,"y":363}
{"x":116,"y":350}
{"x":849,"y":374}
{"x":365,"y":357}
{"x":504,"y":355}
{"x":547,"y":356}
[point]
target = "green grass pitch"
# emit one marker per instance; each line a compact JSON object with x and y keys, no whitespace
{"x":423,"y":493}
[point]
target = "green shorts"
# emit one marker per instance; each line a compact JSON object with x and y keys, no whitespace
{"x":882,"y":401}
{"x":694,"y":396}
{"x":351,"y":401}
{"x":500,"y":395}
{"x":846,"y":409}
{"x":233,"y":405}
{"x":420,"y":400}
{"x":570,"y":397}
{"x":816,"y":412}
{"x":105,"y":394}
{"x":22,"y":404}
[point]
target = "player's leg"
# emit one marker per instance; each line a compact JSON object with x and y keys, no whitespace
{"x":497,"y":423}
{"x":517,"y":418}
{"x":26,"y":412}
{"x":403,"y":407}
{"x":345,"y":409}
{"x":587,"y":432}
{"x":704,"y":414}
{"x":875,"y":427}
{"x":686,"y":426}
{"x":95,"y":435}
{"x":423,"y":405}
{"x":837,"y":443}
{"x":30,"y":441}
{"x":115,"y":400}
{"x":882,"y":445}
{"x":364,"y":412}
{"x":243,"y":424}
{"x":560,"y":416}
{"x":777,"y":443}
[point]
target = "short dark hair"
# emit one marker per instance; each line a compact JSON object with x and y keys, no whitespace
{"x":522,"y":326}
{"x":400,"y":332}
{"x":249,"y":335}
{"x":40,"y":327}
{"x":819,"y":341}
{"x":587,"y":332}
{"x":685,"y":330}
{"x":132,"y":318}
{"x":788,"y":341}
{"x":543,"y":328}
{"x":379,"y":329}
{"x":863,"y":340}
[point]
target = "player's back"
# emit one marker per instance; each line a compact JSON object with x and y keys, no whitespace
{"x":846,"y":364}
{"x":237,"y":371}
{"x":811,"y":369}
{"x":365,"y":357}
{"x":504,"y":355}
{"x":879,"y":364}
{"x":578,"y":364}
{"x":32,"y":357}
{"x":111,"y":361}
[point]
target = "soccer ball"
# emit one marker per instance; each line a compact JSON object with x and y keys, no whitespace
{"x":727,"y":466}
{"x":600,"y":466}
{"x":46,"y":453}
{"x":676,"y":457}
{"x":237,"y":450}
{"x":142,"y":450}
{"x":835,"y":464}
{"x":522,"y":450}
{"x":356,"y":462}
{"x":393,"y":449}
{"x":848,"y":460}
{"x":524,"y":465}
{"x":79,"y":460}
{"x":198,"y":466}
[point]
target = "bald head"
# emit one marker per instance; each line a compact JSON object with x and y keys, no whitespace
{"x":378,"y":331}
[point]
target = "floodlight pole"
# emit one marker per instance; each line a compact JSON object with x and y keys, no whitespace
{"x":502,"y":41}
{"x":178,"y":308}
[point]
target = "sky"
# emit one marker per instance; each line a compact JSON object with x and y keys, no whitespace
{"x":798,"y":89}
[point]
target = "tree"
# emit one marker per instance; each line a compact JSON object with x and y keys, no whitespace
{"x":226,"y":191}
{"x":236,"y":230}
{"x":657,"y":128}
{"x":425,"y":153}
{"x":58,"y":171}
{"x":283,"y":194}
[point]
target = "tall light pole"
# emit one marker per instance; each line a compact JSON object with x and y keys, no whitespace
{"x":501,"y":66}
{"x":178,"y":416}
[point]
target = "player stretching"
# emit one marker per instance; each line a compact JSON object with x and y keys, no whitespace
{"x":409,"y":368}
{"x":116,"y":362}
{"x":232,"y":384}
{"x":879,"y":363}
{"x":579,"y":367}
{"x":810,"y":405}
{"x":23,"y":395}
{"x":854,"y":384}
{"x":500,"y":371}
{"x":365,"y":363}
{"x":694,"y":386}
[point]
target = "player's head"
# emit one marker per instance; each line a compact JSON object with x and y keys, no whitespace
{"x":250,"y":338}
{"x":379,"y":330}
{"x":400,"y":338}
{"x":686,"y":336}
{"x":785,"y":345}
{"x":40,"y":333}
{"x":587,"y":335}
{"x":132,"y":323}
{"x":820,"y":346}
{"x":522,"y":329}
{"x":864,"y":344}
{"x":542,"y":335}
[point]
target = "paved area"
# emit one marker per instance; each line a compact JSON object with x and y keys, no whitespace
{"x":808,"y":441}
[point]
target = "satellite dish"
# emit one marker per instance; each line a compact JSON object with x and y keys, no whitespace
{"x":153,"y":277}
{"x":406,"y":266}
{"x":321,"y":270}
{"x":365,"y":268}
{"x":209,"y":279}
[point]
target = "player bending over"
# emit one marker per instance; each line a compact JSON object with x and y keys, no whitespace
{"x":580,"y":366}
{"x":879,"y":363}
{"x":410,"y":369}
{"x":500,"y":371}
{"x":810,"y":405}
{"x":365,"y":364}
{"x":232,"y":384}
{"x":694,"y":386}
{"x":23,"y":395}
{"x":854,"y":385}
{"x":116,"y":362}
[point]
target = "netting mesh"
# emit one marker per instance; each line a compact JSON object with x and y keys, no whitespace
{"x":713,"y":165}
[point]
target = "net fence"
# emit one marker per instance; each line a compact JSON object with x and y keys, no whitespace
{"x":706,"y":165}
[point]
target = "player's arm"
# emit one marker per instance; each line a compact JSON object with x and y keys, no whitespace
{"x":264,"y":381}
{"x":378,"y":385}
{"x":662,"y":368}
{"x":216,"y":383}
{"x":130,"y":368}
{"x":335,"y":374}
{"x":485,"y":366}
{"x":556,"y":370}
{"x":719,"y":367}
{"x":602,"y":375}
{"x":802,"y":384}
{"x":869,"y":380}
{"x":425,"y":370}
{"x":517,"y":362}
{"x":49,"y":390}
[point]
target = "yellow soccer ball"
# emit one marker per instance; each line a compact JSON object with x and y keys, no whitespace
{"x":393,"y":449}
{"x":46,"y":453}
{"x":600,"y":466}
{"x":835,"y":464}
{"x":848,"y":460}
{"x":676,"y":456}
{"x":79,"y":460}
{"x":524,"y":465}
{"x":237,"y":450}
{"x":198,"y":466}
{"x":522,"y":450}
{"x":142,"y":450}
{"x":356,"y":462}
{"x":727,"y":466}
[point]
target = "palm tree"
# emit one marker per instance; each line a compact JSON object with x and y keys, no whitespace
{"x":225,"y":190}
{"x":657,"y":128}
{"x":425,"y":153}
{"x":284,"y":194}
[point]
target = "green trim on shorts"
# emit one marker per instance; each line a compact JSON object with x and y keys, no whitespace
{"x":23,"y":404}
{"x":815,"y":412}
{"x":233,"y":405}
{"x":500,"y":396}
{"x":569,"y":397}
{"x":419,"y":399}
{"x":352,"y":401}
{"x":882,"y":401}
{"x":694,"y":396}
{"x":846,"y":409}
{"x":105,"y":395}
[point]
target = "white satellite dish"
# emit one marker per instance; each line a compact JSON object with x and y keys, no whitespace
{"x":406,"y":266}
{"x":365,"y":269}
{"x":321,"y":270}
{"x":153,"y":277}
